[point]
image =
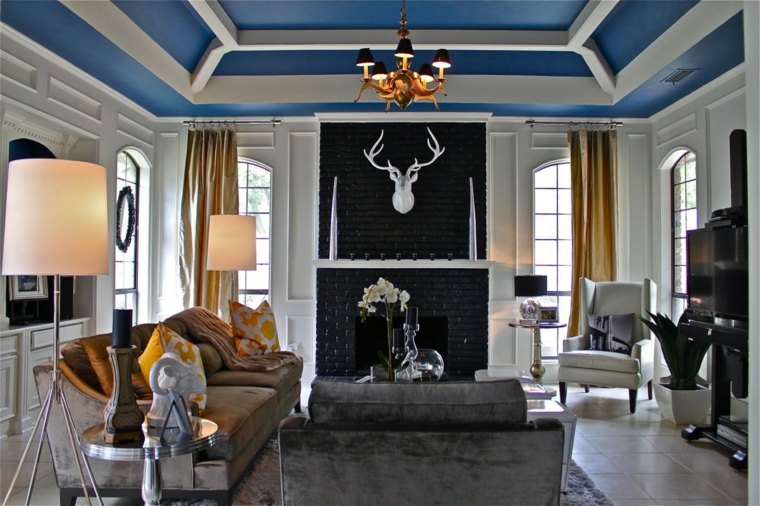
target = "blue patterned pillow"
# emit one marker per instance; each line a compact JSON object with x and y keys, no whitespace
{"x":611,"y":332}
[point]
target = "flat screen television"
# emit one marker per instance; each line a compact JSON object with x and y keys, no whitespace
{"x":717,"y":273}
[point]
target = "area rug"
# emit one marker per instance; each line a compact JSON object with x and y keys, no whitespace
{"x":261,"y":484}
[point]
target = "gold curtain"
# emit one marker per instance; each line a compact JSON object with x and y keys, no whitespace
{"x":593,"y":169}
{"x":210,"y":187}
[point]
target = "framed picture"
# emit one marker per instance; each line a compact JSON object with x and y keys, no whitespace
{"x":28,"y":287}
{"x":548,"y":314}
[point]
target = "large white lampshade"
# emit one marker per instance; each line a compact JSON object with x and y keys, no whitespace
{"x":231,"y":243}
{"x":56,"y":218}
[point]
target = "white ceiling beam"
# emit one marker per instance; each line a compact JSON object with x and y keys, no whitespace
{"x":344,"y":87}
{"x":117,"y":27}
{"x":696,"y":24}
{"x":207,"y":64}
{"x":483,"y":40}
{"x":580,"y":41}
{"x":214,"y":15}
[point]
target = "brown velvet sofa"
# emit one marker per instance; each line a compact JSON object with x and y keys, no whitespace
{"x":246,"y":405}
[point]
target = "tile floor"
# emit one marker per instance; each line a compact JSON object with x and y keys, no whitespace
{"x":635,"y":459}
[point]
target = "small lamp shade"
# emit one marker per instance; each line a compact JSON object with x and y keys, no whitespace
{"x":379,"y":71}
{"x":426,"y":73}
{"x":530,"y":286}
{"x":364,"y":57}
{"x":404,"y":49}
{"x":56,"y":218}
{"x":442,"y":60}
{"x":231,"y":243}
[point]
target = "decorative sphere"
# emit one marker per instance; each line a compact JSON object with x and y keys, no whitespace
{"x":529,"y":309}
{"x":429,"y":364}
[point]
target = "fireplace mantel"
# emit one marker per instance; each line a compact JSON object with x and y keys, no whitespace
{"x":403,"y":264}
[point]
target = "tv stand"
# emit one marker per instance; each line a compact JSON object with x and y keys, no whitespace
{"x":729,"y":372}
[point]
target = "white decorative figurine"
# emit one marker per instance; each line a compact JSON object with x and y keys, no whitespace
{"x":403,"y":199}
{"x":170,"y":379}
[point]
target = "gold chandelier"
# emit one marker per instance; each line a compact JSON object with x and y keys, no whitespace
{"x":403,"y":85}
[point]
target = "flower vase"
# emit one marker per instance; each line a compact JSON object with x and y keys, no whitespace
{"x":391,"y":371}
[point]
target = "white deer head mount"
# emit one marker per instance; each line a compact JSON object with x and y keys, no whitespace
{"x":403,"y":199}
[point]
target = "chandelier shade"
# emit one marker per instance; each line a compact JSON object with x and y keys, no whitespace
{"x":403,"y":86}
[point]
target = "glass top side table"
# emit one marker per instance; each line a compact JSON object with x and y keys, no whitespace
{"x":537,"y":368}
{"x":151,"y":450}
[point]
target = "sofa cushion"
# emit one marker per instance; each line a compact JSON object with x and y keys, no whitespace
{"x":239,"y":412}
{"x":603,"y":360}
{"x":254,"y":330}
{"x":97,"y":354}
{"x":78,"y":361}
{"x":280,"y":379}
{"x":430,"y":403}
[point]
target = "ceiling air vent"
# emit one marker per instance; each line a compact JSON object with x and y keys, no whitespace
{"x":678,"y":75}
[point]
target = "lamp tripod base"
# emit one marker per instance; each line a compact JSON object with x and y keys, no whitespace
{"x":54,"y":396}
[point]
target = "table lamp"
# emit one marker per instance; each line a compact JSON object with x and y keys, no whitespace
{"x":231,"y":245}
{"x":56,"y":223}
{"x":530,"y":285}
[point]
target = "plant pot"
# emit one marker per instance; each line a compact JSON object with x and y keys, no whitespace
{"x":682,"y":407}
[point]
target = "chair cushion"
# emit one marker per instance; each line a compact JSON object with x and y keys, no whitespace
{"x":430,"y":403}
{"x":603,"y":360}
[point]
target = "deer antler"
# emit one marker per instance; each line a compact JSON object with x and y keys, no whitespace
{"x":411,"y":172}
{"x":395,"y":174}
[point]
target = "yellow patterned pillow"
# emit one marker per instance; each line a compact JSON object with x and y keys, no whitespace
{"x":254,"y":330}
{"x":165,"y":340}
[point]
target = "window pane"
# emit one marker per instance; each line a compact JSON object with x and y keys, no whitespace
{"x":563,"y":175}
{"x":546,"y":178}
{"x":679,"y":283}
{"x":691,"y":219}
{"x":262,"y":251}
{"x":262,"y":226}
{"x":565,"y":203}
{"x":690,"y":189}
{"x":565,"y":278}
{"x":545,"y":226}
{"x":679,"y":224}
{"x":545,"y":201}
{"x":550,"y":272}
{"x":258,"y":176}
{"x":690,"y":168}
{"x":679,"y":172}
{"x":679,"y":251}
{"x":251,"y":300}
{"x":679,"y":198}
{"x":545,"y":252}
{"x":258,"y":279}
{"x":565,"y":253}
{"x":565,"y":226}
{"x":257,"y":200}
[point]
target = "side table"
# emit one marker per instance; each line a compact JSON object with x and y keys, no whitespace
{"x":151,"y":450}
{"x":553,"y":409}
{"x":537,"y":369}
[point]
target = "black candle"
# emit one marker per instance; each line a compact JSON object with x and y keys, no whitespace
{"x":411,"y":316}
{"x":122,"y":328}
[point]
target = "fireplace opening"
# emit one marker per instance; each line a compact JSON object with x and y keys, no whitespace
{"x":372,"y":337}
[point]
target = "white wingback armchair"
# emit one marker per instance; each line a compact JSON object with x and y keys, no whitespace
{"x":579,"y":364}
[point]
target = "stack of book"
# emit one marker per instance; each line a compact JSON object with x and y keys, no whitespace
{"x":734,"y":430}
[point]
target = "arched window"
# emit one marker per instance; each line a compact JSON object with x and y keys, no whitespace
{"x":553,"y":243}
{"x":255,"y":185}
{"x":683,"y":177}
{"x":127,"y":215}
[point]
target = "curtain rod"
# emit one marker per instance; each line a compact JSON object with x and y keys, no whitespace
{"x":574,"y":123}
{"x":235,"y":122}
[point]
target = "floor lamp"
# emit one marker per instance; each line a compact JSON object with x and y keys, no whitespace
{"x":56,"y":223}
{"x":231,"y":245}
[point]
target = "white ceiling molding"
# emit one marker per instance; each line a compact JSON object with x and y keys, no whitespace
{"x":580,"y":41}
{"x":696,"y":24}
{"x":116,"y":26}
{"x":207,"y":64}
{"x":217,"y":20}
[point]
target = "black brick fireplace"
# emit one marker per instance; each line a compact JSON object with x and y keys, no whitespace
{"x":437,"y":227}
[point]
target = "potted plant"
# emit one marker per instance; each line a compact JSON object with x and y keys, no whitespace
{"x":681,"y":400}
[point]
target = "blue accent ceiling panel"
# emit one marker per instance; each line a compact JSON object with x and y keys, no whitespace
{"x":528,"y":63}
{"x":173,"y":24}
{"x":421,"y":14}
{"x":633,"y":25}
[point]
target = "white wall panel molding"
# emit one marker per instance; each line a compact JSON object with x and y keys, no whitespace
{"x":74,"y":100}
{"x":548,"y":140}
{"x":300,"y":332}
{"x":18,"y":71}
{"x":303,"y":154}
{"x":166,"y":206}
{"x":677,"y":129}
{"x":255,"y":140}
{"x":134,"y":130}
{"x":634,"y":207}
